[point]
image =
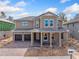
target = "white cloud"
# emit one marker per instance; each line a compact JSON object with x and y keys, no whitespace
{"x":9,"y":9}
{"x":23,"y":15}
{"x":72,"y":9}
{"x":54,"y":10}
{"x":21,"y":4}
{"x":5,"y":7}
{"x":64,"y":1}
{"x":4,"y":2}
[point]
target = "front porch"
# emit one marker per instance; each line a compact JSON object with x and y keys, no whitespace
{"x":48,"y":39}
{"x":42,"y":37}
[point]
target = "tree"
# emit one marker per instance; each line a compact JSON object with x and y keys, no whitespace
{"x":63,"y":17}
{"x":10,"y":18}
{"x":2,"y":15}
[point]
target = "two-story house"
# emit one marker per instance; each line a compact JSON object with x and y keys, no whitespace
{"x":46,"y":29}
{"x":73,"y":26}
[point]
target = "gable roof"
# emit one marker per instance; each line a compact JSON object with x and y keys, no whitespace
{"x":34,"y":17}
{"x":26,"y":18}
{"x":4,"y":20}
{"x":48,"y":13}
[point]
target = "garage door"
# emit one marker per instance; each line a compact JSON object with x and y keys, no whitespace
{"x":18,"y":37}
{"x":27,"y":37}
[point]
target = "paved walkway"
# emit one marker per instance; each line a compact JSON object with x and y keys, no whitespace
{"x":45,"y":57}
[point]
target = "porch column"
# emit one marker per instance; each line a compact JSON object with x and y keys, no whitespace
{"x":41,"y":39}
{"x":13,"y":36}
{"x":67,"y":36}
{"x":50,"y":39}
{"x":32,"y":40}
{"x":22,"y":37}
{"x":60,"y":39}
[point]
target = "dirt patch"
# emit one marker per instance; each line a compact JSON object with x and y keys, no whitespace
{"x":5,"y":41}
{"x":46,"y":52}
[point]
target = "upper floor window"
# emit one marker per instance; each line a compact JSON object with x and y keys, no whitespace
{"x":24,"y":23}
{"x":46,"y":22}
{"x":51,"y":22}
{"x":37,"y":23}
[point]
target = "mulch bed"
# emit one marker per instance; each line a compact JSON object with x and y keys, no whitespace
{"x":46,"y":52}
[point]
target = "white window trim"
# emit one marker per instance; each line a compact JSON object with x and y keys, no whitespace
{"x":36,"y":23}
{"x":53,"y":24}
{"x":44,"y":23}
{"x":24,"y":24}
{"x":48,"y":23}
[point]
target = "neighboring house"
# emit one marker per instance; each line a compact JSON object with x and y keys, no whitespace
{"x":73,"y":26}
{"x":44,"y":29}
{"x":5,"y":26}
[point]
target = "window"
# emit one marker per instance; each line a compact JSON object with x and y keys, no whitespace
{"x":24,"y":23}
{"x":37,"y":23}
{"x":46,"y":22}
{"x":51,"y":22}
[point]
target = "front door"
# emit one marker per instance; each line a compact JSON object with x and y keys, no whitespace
{"x":45,"y":39}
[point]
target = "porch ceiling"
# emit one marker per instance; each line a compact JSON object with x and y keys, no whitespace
{"x":41,"y":30}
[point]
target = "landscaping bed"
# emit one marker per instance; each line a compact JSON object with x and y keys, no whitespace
{"x":46,"y":52}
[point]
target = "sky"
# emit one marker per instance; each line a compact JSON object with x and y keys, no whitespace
{"x":24,"y":8}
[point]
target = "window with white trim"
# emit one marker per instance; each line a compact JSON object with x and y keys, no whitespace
{"x":37,"y":23}
{"x":51,"y":22}
{"x":46,"y":22}
{"x":24,"y":23}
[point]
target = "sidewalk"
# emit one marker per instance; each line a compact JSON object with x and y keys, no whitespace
{"x":45,"y":57}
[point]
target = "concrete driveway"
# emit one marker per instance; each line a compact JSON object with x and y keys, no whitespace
{"x":12,"y":51}
{"x":15,"y":48}
{"x":18,"y":44}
